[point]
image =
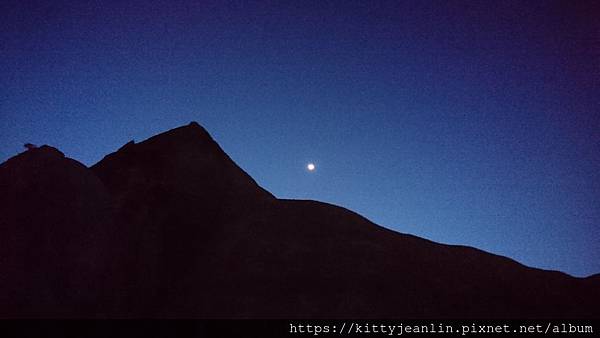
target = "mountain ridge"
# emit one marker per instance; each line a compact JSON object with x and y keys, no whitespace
{"x":173,"y":228}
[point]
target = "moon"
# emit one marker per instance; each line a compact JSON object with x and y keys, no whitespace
{"x":310,"y":167}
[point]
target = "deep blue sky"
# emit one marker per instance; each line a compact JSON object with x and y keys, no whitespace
{"x":472,"y":123}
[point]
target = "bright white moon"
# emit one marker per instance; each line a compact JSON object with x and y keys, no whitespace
{"x":310,"y":167}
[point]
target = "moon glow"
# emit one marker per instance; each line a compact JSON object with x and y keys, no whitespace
{"x":310,"y":167}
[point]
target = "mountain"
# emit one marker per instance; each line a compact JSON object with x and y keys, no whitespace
{"x":171,"y":227}
{"x":55,"y":229}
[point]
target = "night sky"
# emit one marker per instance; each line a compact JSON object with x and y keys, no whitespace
{"x":473,"y":123}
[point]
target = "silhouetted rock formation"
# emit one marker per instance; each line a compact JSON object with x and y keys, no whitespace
{"x":29,"y":146}
{"x":172,"y":227}
{"x":54,"y":227}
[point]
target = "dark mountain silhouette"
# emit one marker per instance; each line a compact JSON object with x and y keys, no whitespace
{"x":55,"y":222}
{"x":172,"y":227}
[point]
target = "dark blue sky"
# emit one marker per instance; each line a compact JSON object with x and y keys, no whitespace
{"x":470,"y":122}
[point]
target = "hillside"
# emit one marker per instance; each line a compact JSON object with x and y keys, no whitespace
{"x":171,"y":227}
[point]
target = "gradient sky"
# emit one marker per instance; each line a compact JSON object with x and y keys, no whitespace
{"x":469,"y":122}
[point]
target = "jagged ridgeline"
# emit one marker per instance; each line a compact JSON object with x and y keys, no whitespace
{"x":172,"y":227}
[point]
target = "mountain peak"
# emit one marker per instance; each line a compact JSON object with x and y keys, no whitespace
{"x":192,"y":127}
{"x":38,"y":160}
{"x":195,"y":125}
{"x":184,"y":161}
{"x":37,"y":154}
{"x":186,"y":138}
{"x":46,"y":150}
